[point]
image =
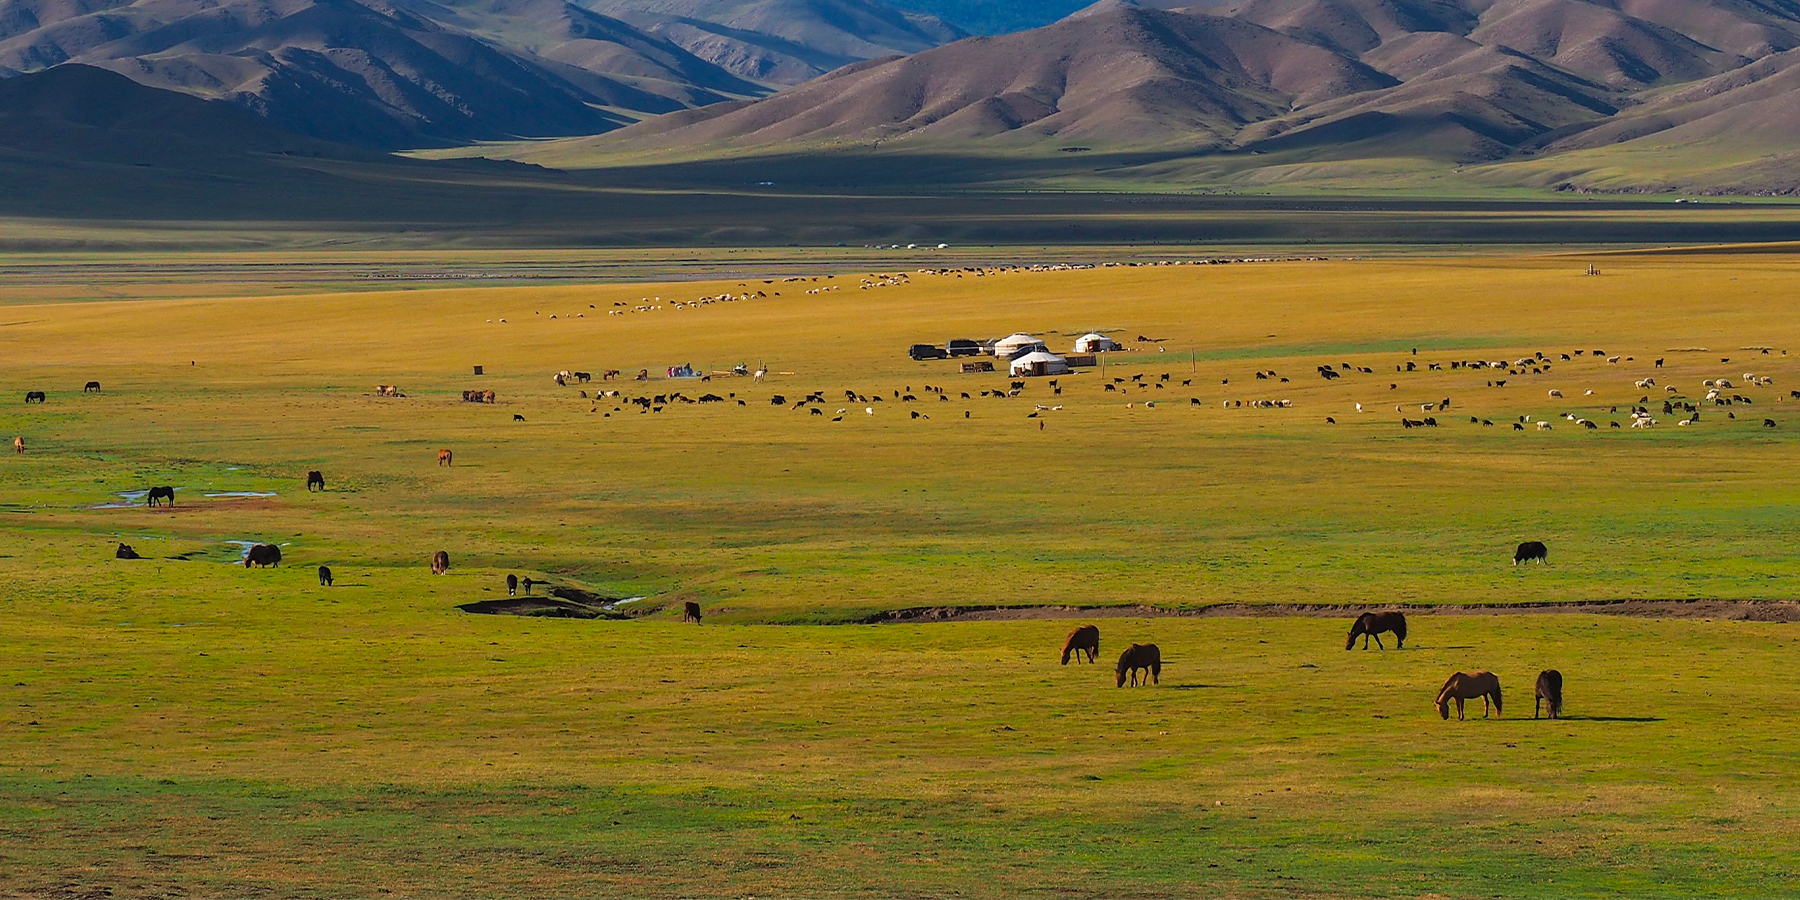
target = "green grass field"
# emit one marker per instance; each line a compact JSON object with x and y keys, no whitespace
{"x":186,"y":726}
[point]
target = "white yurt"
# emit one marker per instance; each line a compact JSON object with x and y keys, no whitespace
{"x":1016,"y":344}
{"x":1094,"y":342}
{"x":1039,"y":362}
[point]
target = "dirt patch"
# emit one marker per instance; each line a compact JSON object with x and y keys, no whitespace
{"x":1741,"y":610}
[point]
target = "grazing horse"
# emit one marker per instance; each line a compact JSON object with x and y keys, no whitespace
{"x":1372,"y":625}
{"x":512,"y":584}
{"x":1549,"y":690}
{"x":1083,"y":639}
{"x":527,"y":582}
{"x":325,"y":576}
{"x":1467,"y":686}
{"x":262,"y":555}
{"x":34,"y":396}
{"x":1531,"y":550}
{"x":690,"y":612}
{"x":160,"y":493}
{"x":125,"y":552}
{"x":91,"y":387}
{"x":440,"y":562}
{"x":1137,"y":657}
{"x":18,"y":445}
{"x":315,"y":478}
{"x":609,"y":374}
{"x":443,"y":457}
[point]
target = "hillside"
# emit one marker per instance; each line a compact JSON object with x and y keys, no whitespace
{"x":1280,"y":87}
{"x":378,"y":74}
{"x":783,"y":42}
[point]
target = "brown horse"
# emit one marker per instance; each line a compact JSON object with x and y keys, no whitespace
{"x":18,"y":445}
{"x":1467,"y":686}
{"x":315,"y":478}
{"x":1372,"y":625}
{"x":1086,"y":638}
{"x":690,"y":612}
{"x":443,"y":457}
{"x":1549,"y":690}
{"x":440,"y":562}
{"x":1136,"y":657}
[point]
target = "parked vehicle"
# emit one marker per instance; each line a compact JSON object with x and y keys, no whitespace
{"x":927,"y":351}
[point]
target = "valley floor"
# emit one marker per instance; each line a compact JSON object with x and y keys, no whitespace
{"x":182,"y":725}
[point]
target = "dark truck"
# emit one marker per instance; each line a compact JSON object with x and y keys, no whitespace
{"x":927,"y":351}
{"x":963,"y":347}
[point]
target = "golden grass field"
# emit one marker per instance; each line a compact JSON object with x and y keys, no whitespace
{"x":191,"y":727}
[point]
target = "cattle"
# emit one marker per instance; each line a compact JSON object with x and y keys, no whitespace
{"x":1531,"y":550}
{"x":34,"y":396}
{"x":512,"y":585}
{"x":518,"y":418}
{"x":262,"y":555}
{"x":325,"y":576}
{"x":160,"y":494}
{"x":777,"y":400}
{"x":690,"y":612}
{"x":440,"y":562}
{"x":92,"y":387}
{"x":125,"y":552}
{"x":18,"y":445}
{"x":315,"y":478}
{"x":1768,"y":423}
{"x":443,"y":457}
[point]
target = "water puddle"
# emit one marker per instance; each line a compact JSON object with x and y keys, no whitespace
{"x":127,"y":499}
{"x":244,"y":548}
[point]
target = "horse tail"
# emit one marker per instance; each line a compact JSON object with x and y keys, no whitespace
{"x":1156,"y":670}
{"x":1400,"y":627}
{"x":1497,"y":709}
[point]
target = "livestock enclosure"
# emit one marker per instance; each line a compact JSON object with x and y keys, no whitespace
{"x":183,"y":725}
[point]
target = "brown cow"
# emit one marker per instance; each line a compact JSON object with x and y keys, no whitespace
{"x":440,"y":562}
{"x":690,"y":612}
{"x":443,"y":457}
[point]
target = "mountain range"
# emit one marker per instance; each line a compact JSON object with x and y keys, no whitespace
{"x":1273,"y":83}
{"x":395,"y":74}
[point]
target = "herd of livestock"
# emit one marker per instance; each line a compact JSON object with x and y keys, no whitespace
{"x":1461,"y":686}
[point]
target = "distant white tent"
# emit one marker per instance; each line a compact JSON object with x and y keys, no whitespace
{"x":1016,"y":344}
{"x":1039,"y":362}
{"x":1094,"y":342}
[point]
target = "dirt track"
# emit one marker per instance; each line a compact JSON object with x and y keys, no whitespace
{"x":1742,"y":610}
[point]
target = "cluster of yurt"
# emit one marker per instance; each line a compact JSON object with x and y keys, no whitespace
{"x":1031,"y":356}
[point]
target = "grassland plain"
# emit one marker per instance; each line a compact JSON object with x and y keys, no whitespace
{"x":187,"y":726}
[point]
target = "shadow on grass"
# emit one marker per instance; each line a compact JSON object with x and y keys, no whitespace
{"x":1198,"y":687}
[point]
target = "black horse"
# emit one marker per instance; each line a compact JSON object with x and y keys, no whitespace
{"x":1531,"y":550}
{"x":512,"y":585}
{"x":325,"y":576}
{"x":315,"y":478}
{"x":160,"y":494}
{"x":1549,"y":690}
{"x":1372,"y":625}
{"x":34,"y":396}
{"x":1138,"y":657}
